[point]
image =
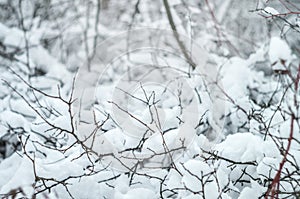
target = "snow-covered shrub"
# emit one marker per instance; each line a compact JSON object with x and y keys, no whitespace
{"x":223,"y":124}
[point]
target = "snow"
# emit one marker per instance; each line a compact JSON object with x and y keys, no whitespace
{"x":248,"y":148}
{"x":279,"y":50}
{"x":255,"y":191}
{"x":4,"y":31}
{"x":265,"y":166}
{"x":194,"y":167}
{"x":12,"y":119}
{"x":89,"y":185}
{"x":22,"y":177}
{"x":236,"y":76}
{"x":20,"y":106}
{"x":138,"y":192}
{"x":14,"y":38}
{"x":270,"y":10}
{"x":236,"y":152}
{"x":8,"y":167}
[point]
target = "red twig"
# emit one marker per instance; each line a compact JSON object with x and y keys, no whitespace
{"x":297,"y":79}
{"x":214,"y":19}
{"x":280,"y":14}
{"x":274,"y":187}
{"x":273,"y":190}
{"x":220,"y":34}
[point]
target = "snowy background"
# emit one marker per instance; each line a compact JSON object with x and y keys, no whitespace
{"x":149,"y":99}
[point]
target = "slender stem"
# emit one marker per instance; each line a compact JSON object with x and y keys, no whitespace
{"x":176,"y":35}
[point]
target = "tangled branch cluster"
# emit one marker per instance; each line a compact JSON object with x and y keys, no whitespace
{"x":43,"y":154}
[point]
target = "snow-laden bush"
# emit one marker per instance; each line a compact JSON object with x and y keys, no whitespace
{"x":247,"y":147}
